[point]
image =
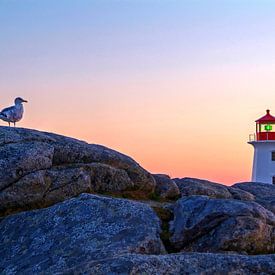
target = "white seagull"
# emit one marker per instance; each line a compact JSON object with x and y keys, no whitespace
{"x":14,"y":113}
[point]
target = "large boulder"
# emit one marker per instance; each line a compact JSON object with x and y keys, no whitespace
{"x":192,"y":186}
{"x":182,"y":263}
{"x":166,"y":188}
{"x":74,"y":232}
{"x":264,"y":193}
{"x":221,"y":225}
{"x":69,"y":151}
{"x":38,"y":169}
{"x":47,"y":187}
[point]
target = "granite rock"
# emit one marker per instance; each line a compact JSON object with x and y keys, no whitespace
{"x":179,"y":264}
{"x":192,"y":186}
{"x":166,"y":188}
{"x":264,"y":193}
{"x":203,"y":224}
{"x":79,"y":230}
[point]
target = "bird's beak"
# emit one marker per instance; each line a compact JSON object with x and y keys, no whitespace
{"x":25,"y":101}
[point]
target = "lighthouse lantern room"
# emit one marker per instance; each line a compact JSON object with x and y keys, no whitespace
{"x":264,"y":150}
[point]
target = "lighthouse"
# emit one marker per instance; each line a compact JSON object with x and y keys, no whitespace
{"x":264,"y":149}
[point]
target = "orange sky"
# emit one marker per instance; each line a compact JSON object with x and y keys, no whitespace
{"x":180,"y":125}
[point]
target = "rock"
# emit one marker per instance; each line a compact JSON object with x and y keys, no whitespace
{"x":47,"y":187}
{"x":69,"y":151}
{"x":38,"y":169}
{"x":264,"y":193}
{"x":166,"y":188}
{"x":106,"y":178}
{"x":220,"y":225}
{"x":182,"y":263}
{"x":192,"y":186}
{"x":20,"y":135}
{"x":17,"y":160}
{"x":74,"y":232}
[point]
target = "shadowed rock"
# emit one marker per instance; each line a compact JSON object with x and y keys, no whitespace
{"x":264,"y":193}
{"x":76,"y":231}
{"x":182,"y":263}
{"x":192,"y":186}
{"x":166,"y":188}
{"x":217,"y":225}
{"x":47,"y":187}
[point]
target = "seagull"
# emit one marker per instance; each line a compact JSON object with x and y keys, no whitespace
{"x":14,"y":113}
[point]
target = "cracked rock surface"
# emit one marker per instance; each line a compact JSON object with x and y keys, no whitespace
{"x":179,"y":264}
{"x":73,"y":232}
{"x":218,"y":225}
{"x":39,"y":169}
{"x":264,"y":193}
{"x":192,"y":186}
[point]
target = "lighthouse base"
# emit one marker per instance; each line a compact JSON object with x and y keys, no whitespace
{"x":264,"y":161}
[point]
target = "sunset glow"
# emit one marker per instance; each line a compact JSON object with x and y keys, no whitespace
{"x":176,"y":85}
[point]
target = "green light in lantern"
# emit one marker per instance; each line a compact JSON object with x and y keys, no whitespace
{"x":268,"y":127}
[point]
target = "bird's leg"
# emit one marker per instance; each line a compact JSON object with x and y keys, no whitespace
{"x":9,"y":124}
{"x":14,"y":123}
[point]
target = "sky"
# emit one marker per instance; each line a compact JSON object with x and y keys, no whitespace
{"x":175,"y":84}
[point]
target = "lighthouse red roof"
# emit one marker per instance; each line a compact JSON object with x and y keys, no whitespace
{"x":268,"y":118}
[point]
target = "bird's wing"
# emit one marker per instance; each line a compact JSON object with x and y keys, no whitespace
{"x":7,"y":111}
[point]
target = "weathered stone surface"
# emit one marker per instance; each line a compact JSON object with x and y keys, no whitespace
{"x":68,"y":151}
{"x":76,"y":231}
{"x":105,"y":178}
{"x":38,"y":169}
{"x":166,"y":188}
{"x":217,"y":225}
{"x":47,"y":187}
{"x":19,"y":159}
{"x":192,"y":186}
{"x":21,"y":135}
{"x":179,"y":264}
{"x":27,"y":193}
{"x":264,"y":193}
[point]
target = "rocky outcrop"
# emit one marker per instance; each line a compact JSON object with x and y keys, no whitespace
{"x":70,"y":151}
{"x":166,"y":188}
{"x":99,"y":235}
{"x":192,"y":186}
{"x":218,"y":225}
{"x":38,"y":169}
{"x":70,"y":233}
{"x":264,"y":193}
{"x":182,"y":263}
{"x":92,"y":234}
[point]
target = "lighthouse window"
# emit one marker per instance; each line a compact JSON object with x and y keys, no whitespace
{"x":273,"y":156}
{"x":268,"y":127}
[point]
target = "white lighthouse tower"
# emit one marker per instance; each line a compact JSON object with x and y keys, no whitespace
{"x":264,"y":150}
